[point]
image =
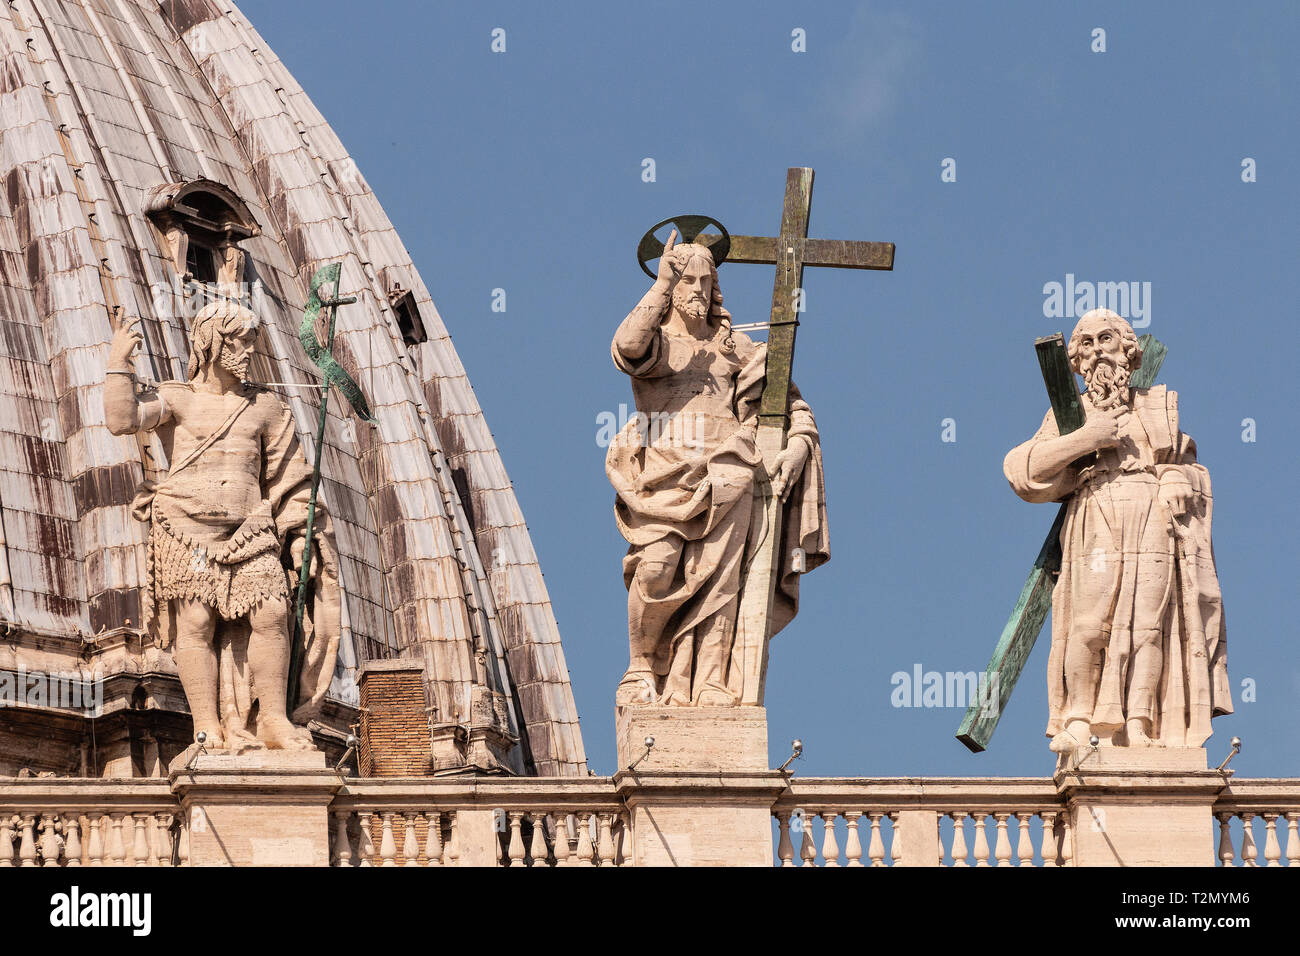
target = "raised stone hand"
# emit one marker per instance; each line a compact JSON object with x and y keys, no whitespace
{"x":121,"y":352}
{"x":669,"y":269}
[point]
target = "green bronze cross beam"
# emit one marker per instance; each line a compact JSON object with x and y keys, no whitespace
{"x":789,"y":251}
{"x":1035,"y":601}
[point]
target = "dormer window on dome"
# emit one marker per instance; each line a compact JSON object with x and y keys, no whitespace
{"x":203,"y":223}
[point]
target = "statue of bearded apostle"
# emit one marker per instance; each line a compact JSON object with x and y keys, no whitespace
{"x":684,"y":472}
{"x":1139,"y":653}
{"x":226,"y":536}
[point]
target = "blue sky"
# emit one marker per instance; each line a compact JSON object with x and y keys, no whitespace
{"x":522,"y":170}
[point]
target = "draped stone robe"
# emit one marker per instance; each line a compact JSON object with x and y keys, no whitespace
{"x":684,"y":477}
{"x":1131,"y":573}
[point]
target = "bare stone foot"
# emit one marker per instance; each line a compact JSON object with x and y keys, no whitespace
{"x":1063,"y":743}
{"x":1137,"y":733}
{"x":636,"y":687}
{"x":282,"y":735}
{"x":711,"y":697}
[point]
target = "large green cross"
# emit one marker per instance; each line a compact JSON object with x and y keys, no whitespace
{"x":1027,"y":617}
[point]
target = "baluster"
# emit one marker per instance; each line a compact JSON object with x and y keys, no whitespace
{"x":162,"y":831}
{"x":807,"y":847}
{"x":451,"y":849}
{"x":959,"y":851}
{"x":1248,"y":851}
{"x":342,"y":845}
{"x":1225,"y":838}
{"x":537,"y":848}
{"x":410,"y":841}
{"x":605,"y":846}
{"x":1002,"y":850}
{"x":586,"y":850}
{"x":49,"y":842}
{"x":6,"y":842}
{"x":830,"y":848}
{"x":623,"y":841}
{"x":561,"y":839}
{"x":784,"y":848}
{"x":366,"y":841}
{"x":387,"y":844}
{"x":116,"y":849}
{"x":141,"y":850}
{"x":515,"y":851}
{"x":1292,"y":839}
{"x":72,"y":830}
{"x":1272,"y":851}
{"x":1023,"y":846}
{"x":1047,"y":842}
{"x":183,"y":841}
{"x":433,"y":839}
{"x":1067,"y":840}
{"x":981,"y":840}
{"x":95,"y":842}
{"x":876,"y":847}
{"x":27,"y":846}
{"x":853,"y":838}
{"x":895,"y":844}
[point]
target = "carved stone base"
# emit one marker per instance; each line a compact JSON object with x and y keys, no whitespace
{"x":264,"y":808}
{"x":1147,"y":807}
{"x":703,"y":795}
{"x":1106,"y":758}
{"x":692,"y":738}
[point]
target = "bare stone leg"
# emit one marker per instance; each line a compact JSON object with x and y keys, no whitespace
{"x":196,"y":661}
{"x":268,"y":659}
{"x":1082,"y":674}
{"x":652,"y":583}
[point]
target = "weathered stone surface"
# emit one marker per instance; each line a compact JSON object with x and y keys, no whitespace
{"x":1139,"y":652}
{"x":686,"y":471}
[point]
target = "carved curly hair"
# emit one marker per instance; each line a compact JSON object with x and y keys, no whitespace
{"x":215,"y":321}
{"x":1132,"y":351}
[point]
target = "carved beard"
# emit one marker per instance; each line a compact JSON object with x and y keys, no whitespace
{"x":1108,"y":384}
{"x":690,"y":305}
{"x":237,"y":367}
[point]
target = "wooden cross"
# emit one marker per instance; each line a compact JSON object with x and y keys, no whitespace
{"x":789,"y":251}
{"x":1027,"y":617}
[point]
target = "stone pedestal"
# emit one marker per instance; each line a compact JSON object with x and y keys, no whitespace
{"x":703,"y":795}
{"x":266,"y":808}
{"x":692,"y":738}
{"x":1141,"y":807}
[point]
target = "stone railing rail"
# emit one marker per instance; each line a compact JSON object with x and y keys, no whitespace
{"x":990,"y":821}
{"x":1260,"y":807}
{"x":835,"y":821}
{"x":484,"y":821}
{"x":88,"y":822}
{"x":583,"y":821}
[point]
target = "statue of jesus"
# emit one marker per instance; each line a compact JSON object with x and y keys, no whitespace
{"x":1139,"y":652}
{"x":685,"y":489}
{"x":233,"y":502}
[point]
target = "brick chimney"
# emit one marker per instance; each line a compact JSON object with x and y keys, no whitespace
{"x":394,"y":738}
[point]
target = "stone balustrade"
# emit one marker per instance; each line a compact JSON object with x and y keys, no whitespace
{"x":921,"y":822}
{"x":77,"y":822}
{"x":1258,"y":813}
{"x":570,"y":821}
{"x":488,"y":821}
